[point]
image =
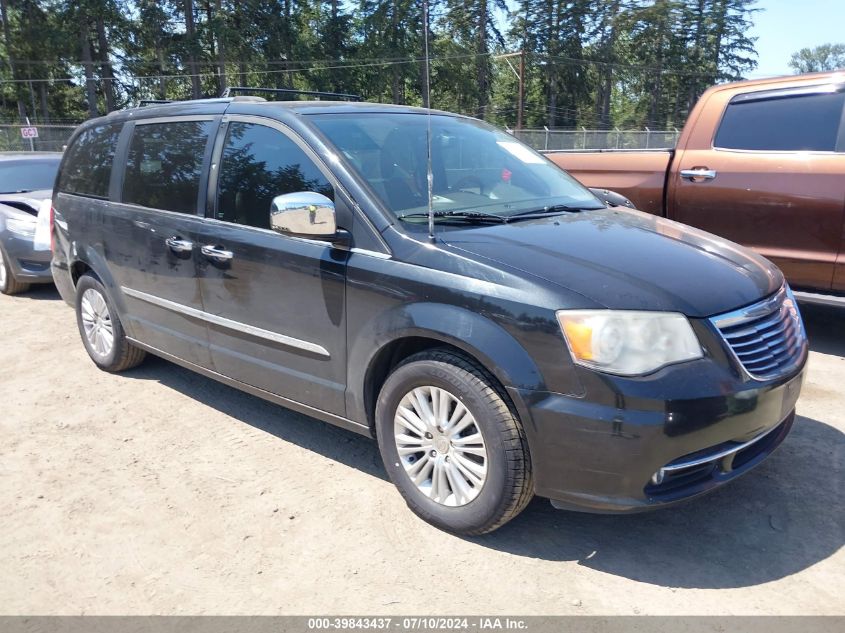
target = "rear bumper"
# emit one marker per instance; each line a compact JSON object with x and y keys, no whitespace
{"x":27,"y":264}
{"x":64,"y":283}
{"x":640,"y":453}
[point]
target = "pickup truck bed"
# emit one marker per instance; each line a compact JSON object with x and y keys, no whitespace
{"x":639,"y":175}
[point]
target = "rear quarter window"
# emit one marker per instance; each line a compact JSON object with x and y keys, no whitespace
{"x":86,"y":169}
{"x":791,"y":123}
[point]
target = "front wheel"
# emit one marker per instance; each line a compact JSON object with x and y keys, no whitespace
{"x":8,"y":284}
{"x":451,"y":445}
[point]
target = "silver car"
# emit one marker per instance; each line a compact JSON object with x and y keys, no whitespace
{"x":26,"y":182}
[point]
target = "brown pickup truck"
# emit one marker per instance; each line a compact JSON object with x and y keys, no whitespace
{"x":761,"y":163}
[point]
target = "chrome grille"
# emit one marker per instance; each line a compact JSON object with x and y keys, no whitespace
{"x":766,"y":338}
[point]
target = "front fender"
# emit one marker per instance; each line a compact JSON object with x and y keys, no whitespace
{"x":478,"y":336}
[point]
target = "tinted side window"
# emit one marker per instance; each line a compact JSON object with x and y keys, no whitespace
{"x":258,"y":164}
{"x":801,"y":123}
{"x":87,"y":166}
{"x":164,"y":165}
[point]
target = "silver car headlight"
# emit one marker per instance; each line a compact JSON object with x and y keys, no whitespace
{"x":628,"y":343}
{"x":21,"y":228}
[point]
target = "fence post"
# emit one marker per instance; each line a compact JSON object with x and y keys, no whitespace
{"x":546,"y":144}
{"x":647,"y":138}
{"x":583,"y":137}
{"x":31,"y":143}
{"x":617,"y":137}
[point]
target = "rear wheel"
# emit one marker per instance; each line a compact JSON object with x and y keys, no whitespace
{"x":451,"y":444}
{"x":8,"y":284}
{"x":101,"y":330}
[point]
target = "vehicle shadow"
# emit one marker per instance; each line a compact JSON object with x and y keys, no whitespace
{"x":825,"y":328}
{"x":777,"y":520}
{"x":782,"y":517}
{"x":40,"y":292}
{"x":346,"y":447}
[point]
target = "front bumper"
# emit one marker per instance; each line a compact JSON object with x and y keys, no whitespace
{"x":27,"y":264}
{"x":699,"y":424}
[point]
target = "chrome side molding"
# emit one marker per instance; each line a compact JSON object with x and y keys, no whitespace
{"x":237,"y":326}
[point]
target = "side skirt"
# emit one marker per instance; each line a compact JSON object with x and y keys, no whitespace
{"x":325,"y":416}
{"x":836,"y":301}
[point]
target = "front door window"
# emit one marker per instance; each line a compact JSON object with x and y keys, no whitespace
{"x":258,"y":164}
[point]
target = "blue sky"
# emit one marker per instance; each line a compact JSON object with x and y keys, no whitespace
{"x":785,"y":26}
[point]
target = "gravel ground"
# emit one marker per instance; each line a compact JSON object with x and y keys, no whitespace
{"x":160,"y":491}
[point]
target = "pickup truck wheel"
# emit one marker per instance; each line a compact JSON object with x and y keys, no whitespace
{"x":101,"y":330}
{"x":451,"y":445}
{"x":8,"y":284}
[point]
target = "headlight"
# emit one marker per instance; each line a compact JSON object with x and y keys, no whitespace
{"x":23,"y":228}
{"x":628,"y":343}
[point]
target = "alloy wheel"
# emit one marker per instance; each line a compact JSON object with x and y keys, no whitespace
{"x":440,"y":445}
{"x":96,"y":320}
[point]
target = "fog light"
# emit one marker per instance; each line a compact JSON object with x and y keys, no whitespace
{"x":657,"y":478}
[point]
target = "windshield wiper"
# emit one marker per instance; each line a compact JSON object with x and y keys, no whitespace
{"x":553,"y":209}
{"x":465,"y":216}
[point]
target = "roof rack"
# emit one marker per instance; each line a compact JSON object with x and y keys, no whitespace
{"x":146,"y":102}
{"x":228,"y":92}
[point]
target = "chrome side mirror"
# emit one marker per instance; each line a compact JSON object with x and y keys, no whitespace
{"x":304,"y":213}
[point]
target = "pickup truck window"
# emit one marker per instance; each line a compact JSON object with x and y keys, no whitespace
{"x":258,"y":164}
{"x":88,"y":162}
{"x":796,"y":123}
{"x":474,"y":166}
{"x":164,"y":165}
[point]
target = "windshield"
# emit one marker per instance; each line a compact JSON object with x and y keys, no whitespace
{"x":27,"y":175}
{"x":475,"y":167}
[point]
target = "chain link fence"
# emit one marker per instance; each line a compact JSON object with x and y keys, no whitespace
{"x":51,"y":138}
{"x":583,"y":139}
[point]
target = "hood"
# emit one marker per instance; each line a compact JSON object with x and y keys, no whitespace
{"x":28,"y":202}
{"x":627,"y":260}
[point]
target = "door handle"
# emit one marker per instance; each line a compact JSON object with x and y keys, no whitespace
{"x":701,"y":173}
{"x":217,"y":253}
{"x":178,"y":245}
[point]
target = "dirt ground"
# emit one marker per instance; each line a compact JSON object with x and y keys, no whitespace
{"x":160,"y":491}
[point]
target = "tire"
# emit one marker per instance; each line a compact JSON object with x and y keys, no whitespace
{"x":8,"y":284}
{"x":452,"y":382}
{"x":101,"y":331}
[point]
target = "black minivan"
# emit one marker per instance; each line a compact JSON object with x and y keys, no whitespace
{"x":524,"y":339}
